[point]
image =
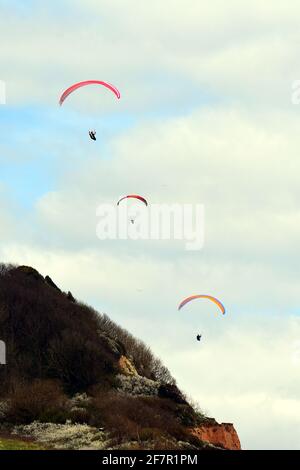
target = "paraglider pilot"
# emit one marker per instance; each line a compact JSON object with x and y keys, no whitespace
{"x":92,"y":135}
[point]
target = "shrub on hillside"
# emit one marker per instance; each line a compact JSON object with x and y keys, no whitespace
{"x":41,"y":400}
{"x":78,"y":360}
{"x":5,"y":268}
{"x":172,"y":392}
{"x":126,"y":417}
{"x":4,"y":407}
{"x":80,"y":400}
{"x":136,"y":385}
{"x":79,"y":408}
{"x":64,"y":436}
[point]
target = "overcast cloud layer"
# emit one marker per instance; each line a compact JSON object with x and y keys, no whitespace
{"x":205,"y":117}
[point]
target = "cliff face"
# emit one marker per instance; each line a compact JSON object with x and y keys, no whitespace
{"x":220,"y":435}
{"x":126,"y":366}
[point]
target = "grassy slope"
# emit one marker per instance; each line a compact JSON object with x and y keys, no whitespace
{"x":17,"y":444}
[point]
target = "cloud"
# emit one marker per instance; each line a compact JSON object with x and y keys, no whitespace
{"x":172,"y":54}
{"x":250,"y":364}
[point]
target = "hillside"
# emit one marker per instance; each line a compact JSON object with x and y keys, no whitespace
{"x":75,"y":379}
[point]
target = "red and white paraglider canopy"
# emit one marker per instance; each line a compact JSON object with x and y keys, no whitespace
{"x":74,"y":87}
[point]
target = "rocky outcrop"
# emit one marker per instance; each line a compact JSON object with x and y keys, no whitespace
{"x":49,"y":281}
{"x":126,"y":366}
{"x":220,"y":435}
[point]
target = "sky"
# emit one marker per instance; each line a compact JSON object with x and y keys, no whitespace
{"x":206,"y":116}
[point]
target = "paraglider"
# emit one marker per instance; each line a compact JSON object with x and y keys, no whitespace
{"x":134,"y":196}
{"x":202,"y":296}
{"x":78,"y":85}
{"x":209,"y":297}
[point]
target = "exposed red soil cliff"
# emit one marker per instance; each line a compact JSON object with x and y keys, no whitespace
{"x":220,"y":435}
